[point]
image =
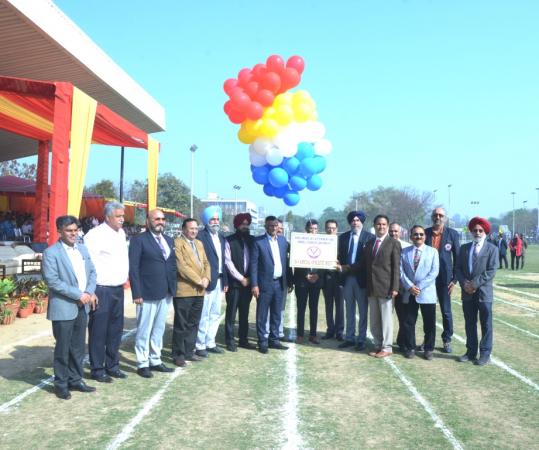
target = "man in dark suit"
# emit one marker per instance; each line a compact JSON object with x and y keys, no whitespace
{"x":381,"y":262}
{"x":214,"y":246}
{"x":71,"y":277}
{"x":476,"y":269}
{"x":152,"y":274}
{"x":238,"y":297}
{"x":502,"y":250}
{"x":350,"y":249}
{"x":333,"y":295}
{"x":269,"y":279}
{"x":447,"y":242}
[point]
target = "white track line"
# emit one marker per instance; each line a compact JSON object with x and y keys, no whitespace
{"x":438,"y":422}
{"x":128,"y":430}
{"x":529,"y":333}
{"x":500,"y":364}
{"x":531,"y":294}
{"x":7,"y":405}
{"x":26,"y":340}
{"x":515,"y":305}
{"x":290,"y":417}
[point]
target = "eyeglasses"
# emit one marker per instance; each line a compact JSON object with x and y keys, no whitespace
{"x":438,"y":215}
{"x":418,"y":234}
{"x":478,"y":230}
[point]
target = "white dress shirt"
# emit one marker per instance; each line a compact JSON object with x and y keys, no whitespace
{"x":277,"y":264}
{"x":79,"y":266}
{"x":218,"y":249}
{"x":161,"y":239}
{"x":230,"y":265}
{"x":476,"y":247}
{"x":108,"y":250}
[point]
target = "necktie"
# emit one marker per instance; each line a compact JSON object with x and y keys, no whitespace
{"x":417,"y":257}
{"x":195,"y":251}
{"x":376,"y":246}
{"x":475,"y":253}
{"x":351,"y":250}
{"x":160,"y":243}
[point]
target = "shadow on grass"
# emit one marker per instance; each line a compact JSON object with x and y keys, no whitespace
{"x":27,"y":364}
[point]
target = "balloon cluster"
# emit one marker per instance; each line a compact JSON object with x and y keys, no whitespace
{"x":287,"y":147}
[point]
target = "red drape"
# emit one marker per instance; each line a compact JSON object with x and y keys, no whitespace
{"x":42,"y":193}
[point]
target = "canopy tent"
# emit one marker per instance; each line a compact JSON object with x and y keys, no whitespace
{"x":66,"y":121}
{"x":18,"y":195}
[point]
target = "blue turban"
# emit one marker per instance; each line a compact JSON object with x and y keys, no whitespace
{"x":210,"y":212}
{"x":359,"y":214}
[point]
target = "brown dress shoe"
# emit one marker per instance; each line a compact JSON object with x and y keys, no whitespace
{"x":383,"y":354}
{"x":299,"y":340}
{"x":314,"y":339}
{"x":180,"y":362}
{"x":374,"y":352}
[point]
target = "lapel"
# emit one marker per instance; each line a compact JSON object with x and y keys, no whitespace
{"x":208,"y":238}
{"x":67,"y":263}
{"x":154,"y":244}
{"x":480,"y":256}
{"x":268,"y":247}
{"x":467,"y":250}
{"x":383,"y":244}
{"x":410,"y":257}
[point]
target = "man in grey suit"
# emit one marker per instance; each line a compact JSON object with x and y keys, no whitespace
{"x":476,"y":268}
{"x":71,"y":277}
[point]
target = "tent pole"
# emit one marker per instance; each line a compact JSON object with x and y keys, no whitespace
{"x":122,"y":176}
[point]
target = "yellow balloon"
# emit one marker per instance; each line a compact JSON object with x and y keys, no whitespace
{"x":302,"y":97}
{"x":245,"y":136}
{"x":269,"y":113}
{"x":302,"y":112}
{"x":284,"y":114}
{"x":282,"y":99}
{"x":269,"y":128}
{"x":252,"y":126}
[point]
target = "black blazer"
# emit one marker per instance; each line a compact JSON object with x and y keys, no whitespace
{"x":262,"y":264}
{"x":448,"y":252}
{"x":151,"y":276}
{"x":213,"y":258}
{"x":342,"y":253}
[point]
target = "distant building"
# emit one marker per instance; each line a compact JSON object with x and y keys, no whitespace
{"x":231,"y":207}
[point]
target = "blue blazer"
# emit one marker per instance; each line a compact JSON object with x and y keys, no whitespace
{"x":449,"y":253}
{"x":425,"y":275}
{"x":262,"y":265}
{"x":150,"y":275}
{"x":483,"y":273}
{"x":213,"y":258}
{"x":342,"y":253}
{"x":59,"y":275}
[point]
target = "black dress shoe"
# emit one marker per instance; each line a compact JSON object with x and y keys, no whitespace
{"x":144,"y":372}
{"x":465,"y":358}
{"x":247,"y":345}
{"x":483,"y":360}
{"x":286,"y":339}
{"x":327,"y":336}
{"x":278,"y":346}
{"x":117,"y":374}
{"x":180,"y":362}
{"x":62,"y":393}
{"x":102,"y":378}
{"x":360,"y":347}
{"x":409,"y":354}
{"x":161,"y":368}
{"x":232,"y":348}
{"x":194,"y":358}
{"x":340,"y":338}
{"x":346,"y":344}
{"x":428,"y":355}
{"x":81,"y":386}
{"x":202,"y":353}
{"x":263,"y":350}
{"x":216,"y":350}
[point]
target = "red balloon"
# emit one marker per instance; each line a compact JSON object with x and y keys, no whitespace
{"x":255,"y":111}
{"x":228,"y":107}
{"x":237,"y":116}
{"x":275,"y":64}
{"x":289,"y":79}
{"x":229,"y":85}
{"x":265,"y":97}
{"x":259,"y":71}
{"x":240,"y":99}
{"x":251,"y":89}
{"x":244,"y":76}
{"x":271,"y":81}
{"x":296,"y":62}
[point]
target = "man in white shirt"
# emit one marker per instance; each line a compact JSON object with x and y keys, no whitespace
{"x":108,"y":249}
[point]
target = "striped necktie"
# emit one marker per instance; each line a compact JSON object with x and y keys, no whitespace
{"x":417,"y":257}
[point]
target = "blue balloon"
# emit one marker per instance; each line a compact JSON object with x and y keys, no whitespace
{"x":291,"y":165}
{"x":305,"y":150}
{"x":260,"y":174}
{"x":298,"y":183}
{"x":319,"y":163}
{"x":278,"y":177}
{"x":280,"y":191}
{"x":314,"y":183}
{"x":307,"y":167}
{"x":291,"y":198}
{"x":268,"y":190}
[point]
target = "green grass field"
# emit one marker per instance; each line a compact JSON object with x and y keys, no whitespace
{"x":307,"y":397}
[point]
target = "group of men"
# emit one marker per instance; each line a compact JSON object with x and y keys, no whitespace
{"x":86,"y":283}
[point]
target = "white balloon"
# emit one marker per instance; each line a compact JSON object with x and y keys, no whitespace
{"x":317,"y":130}
{"x":323,"y":147}
{"x":275,"y":156}
{"x":256,"y":159}
{"x":262,"y":146}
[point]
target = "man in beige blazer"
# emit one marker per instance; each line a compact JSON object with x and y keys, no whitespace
{"x":193,"y":279}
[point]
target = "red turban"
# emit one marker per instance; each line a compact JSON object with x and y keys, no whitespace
{"x":483,"y":223}
{"x":238,"y":219}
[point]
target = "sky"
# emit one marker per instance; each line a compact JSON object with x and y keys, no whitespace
{"x":416,"y":93}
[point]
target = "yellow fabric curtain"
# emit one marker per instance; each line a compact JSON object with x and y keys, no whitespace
{"x":82,"y":127}
{"x":17,"y":112}
{"x":4,"y":203}
{"x":153,"y":160}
